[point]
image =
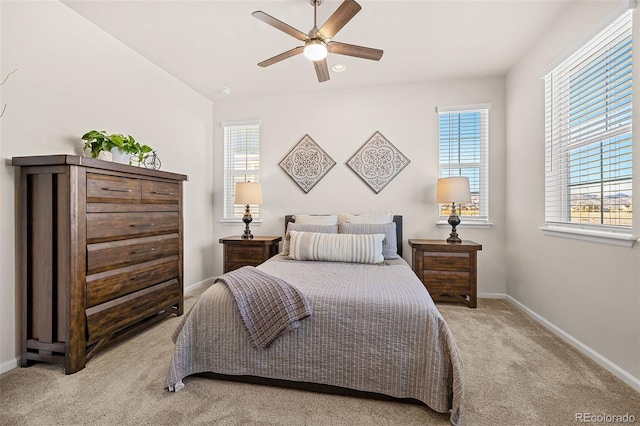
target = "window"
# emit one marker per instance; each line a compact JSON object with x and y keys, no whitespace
{"x":464,"y":146}
{"x":241,"y":164}
{"x":588,"y":138}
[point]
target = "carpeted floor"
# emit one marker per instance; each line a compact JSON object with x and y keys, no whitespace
{"x":516,"y":373}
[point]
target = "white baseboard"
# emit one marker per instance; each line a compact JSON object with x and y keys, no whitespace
{"x":613,"y":368}
{"x":492,"y":296}
{"x":9,"y":365}
{"x":196,"y":286}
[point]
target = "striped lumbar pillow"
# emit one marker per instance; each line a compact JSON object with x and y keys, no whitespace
{"x":354,"y":248}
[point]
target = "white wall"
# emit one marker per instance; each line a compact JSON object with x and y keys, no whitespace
{"x":73,"y":77}
{"x":340,"y":122}
{"x":590,"y":291}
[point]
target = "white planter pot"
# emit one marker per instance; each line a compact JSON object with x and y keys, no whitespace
{"x":119,"y":156}
{"x":102,"y":155}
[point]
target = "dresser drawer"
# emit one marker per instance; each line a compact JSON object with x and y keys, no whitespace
{"x":118,"y":282}
{"x":446,"y":280}
{"x":440,"y":261}
{"x":117,"y":314}
{"x":112,"y":189}
{"x":160,"y":192}
{"x":114,"y":226}
{"x":117,"y":254}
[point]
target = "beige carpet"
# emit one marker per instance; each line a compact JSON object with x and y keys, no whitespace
{"x":516,"y":373}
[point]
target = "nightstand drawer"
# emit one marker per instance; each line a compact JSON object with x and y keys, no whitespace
{"x":239,"y":252}
{"x":245,"y":254}
{"x":446,"y":261}
{"x":446,"y":280}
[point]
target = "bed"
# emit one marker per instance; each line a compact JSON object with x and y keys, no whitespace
{"x":373,"y":328}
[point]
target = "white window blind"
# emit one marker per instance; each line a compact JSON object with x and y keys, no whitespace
{"x":464,"y":149}
{"x":241,"y":164}
{"x":588,"y":142}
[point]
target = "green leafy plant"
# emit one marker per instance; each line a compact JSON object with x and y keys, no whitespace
{"x":135,"y":149}
{"x":98,"y":140}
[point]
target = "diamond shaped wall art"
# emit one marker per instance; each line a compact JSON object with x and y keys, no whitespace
{"x":378,"y":162}
{"x":307,"y":163}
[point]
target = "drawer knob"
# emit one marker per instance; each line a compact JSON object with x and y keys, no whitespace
{"x":162,"y":193}
{"x":141,"y":225}
{"x":116,"y":189}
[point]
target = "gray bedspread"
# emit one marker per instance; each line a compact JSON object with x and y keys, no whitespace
{"x":374,"y":328}
{"x":268,"y":306}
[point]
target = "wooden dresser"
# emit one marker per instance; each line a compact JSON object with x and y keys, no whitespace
{"x":448,"y":270}
{"x":239,"y":252}
{"x":99,"y":251}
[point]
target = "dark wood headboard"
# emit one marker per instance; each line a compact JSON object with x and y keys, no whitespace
{"x":397,"y":219}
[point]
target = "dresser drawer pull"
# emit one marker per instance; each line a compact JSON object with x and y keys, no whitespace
{"x":141,"y":225}
{"x":141,"y":276}
{"x":143,"y":251}
{"x":162,"y":193}
{"x":116,"y":189}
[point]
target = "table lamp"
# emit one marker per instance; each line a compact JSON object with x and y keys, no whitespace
{"x":248,"y":193}
{"x":453,"y":190}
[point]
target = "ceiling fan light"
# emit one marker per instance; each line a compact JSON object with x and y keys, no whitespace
{"x":315,"y":50}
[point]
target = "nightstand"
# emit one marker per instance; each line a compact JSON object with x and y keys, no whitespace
{"x":447,"y":270}
{"x":239,"y":252}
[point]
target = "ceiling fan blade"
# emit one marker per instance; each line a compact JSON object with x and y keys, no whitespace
{"x":276,"y":23}
{"x":289,"y":53}
{"x":340,"y":17}
{"x":322,"y":70}
{"x":353,"y":50}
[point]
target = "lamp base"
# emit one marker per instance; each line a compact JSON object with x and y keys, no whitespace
{"x":247,"y":219}
{"x":454,"y":238}
{"x":454,"y":221}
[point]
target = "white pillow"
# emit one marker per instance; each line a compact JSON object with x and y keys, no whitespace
{"x":380,"y":217}
{"x":313,"y":219}
{"x":292,"y":226}
{"x":354,"y":248}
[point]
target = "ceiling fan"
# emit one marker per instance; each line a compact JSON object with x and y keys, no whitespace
{"x":319,"y":40}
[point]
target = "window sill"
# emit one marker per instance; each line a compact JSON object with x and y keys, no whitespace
{"x":603,"y":237}
{"x":465,"y":224}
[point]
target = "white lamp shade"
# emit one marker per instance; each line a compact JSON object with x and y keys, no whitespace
{"x":453,"y":190}
{"x":248,"y":193}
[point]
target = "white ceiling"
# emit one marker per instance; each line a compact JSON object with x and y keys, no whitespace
{"x":212,"y":44}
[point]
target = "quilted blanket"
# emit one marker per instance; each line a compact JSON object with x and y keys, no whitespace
{"x":374,"y":328}
{"x":268,"y":306}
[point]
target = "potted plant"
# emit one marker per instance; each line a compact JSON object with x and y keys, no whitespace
{"x":98,"y":141}
{"x":136,"y":151}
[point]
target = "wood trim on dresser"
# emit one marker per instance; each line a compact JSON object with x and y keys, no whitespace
{"x":53,"y":211}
